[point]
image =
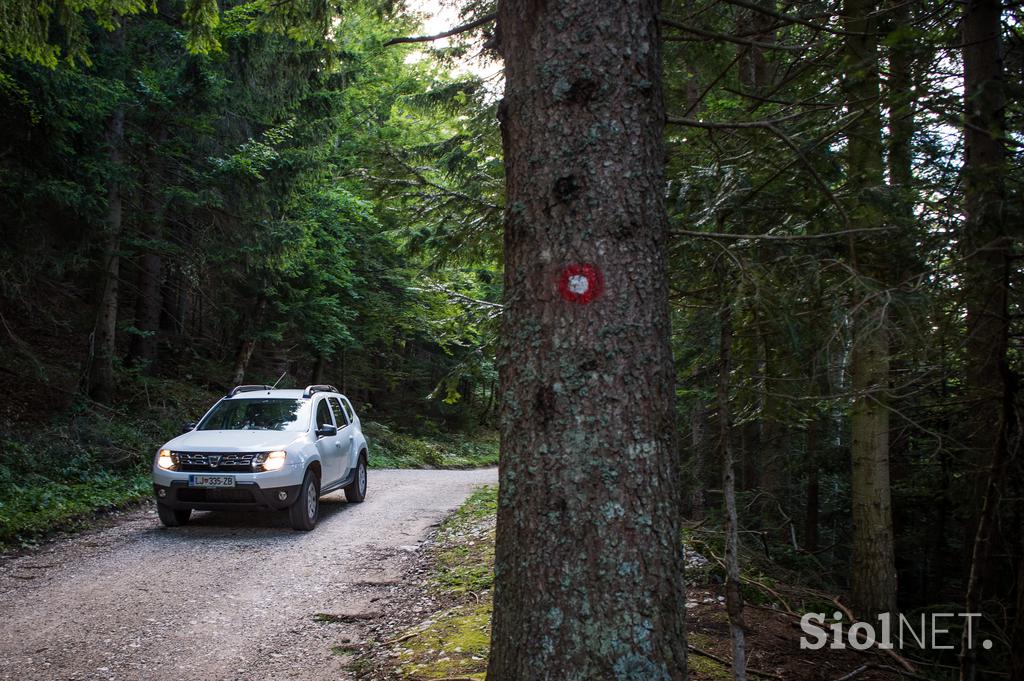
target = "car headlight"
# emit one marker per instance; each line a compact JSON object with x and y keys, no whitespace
{"x":272,"y":461}
{"x":165,"y":460}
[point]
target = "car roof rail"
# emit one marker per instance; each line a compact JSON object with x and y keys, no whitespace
{"x":319,"y":388}
{"x":248,"y":389}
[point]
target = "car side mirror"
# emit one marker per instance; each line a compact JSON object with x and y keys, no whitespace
{"x":188,"y":427}
{"x":326,"y":431}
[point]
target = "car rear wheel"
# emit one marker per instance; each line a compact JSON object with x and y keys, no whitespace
{"x":355,"y":491}
{"x":306,"y":509}
{"x":173,"y":517}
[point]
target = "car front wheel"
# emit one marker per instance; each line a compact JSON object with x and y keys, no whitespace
{"x":306,"y":509}
{"x":355,"y":491}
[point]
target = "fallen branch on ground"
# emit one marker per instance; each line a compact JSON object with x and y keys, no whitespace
{"x":902,"y":661}
{"x":405,"y":637}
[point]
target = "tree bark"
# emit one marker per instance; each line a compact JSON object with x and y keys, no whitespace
{"x":242,"y":357}
{"x":248,"y":343}
{"x":984,"y":241}
{"x":873,"y":569}
{"x":316,"y":376}
{"x":589,"y":562}
{"x":1017,"y":643}
{"x":698,"y":456}
{"x":986,"y":245}
{"x":733,"y":596}
{"x":104,"y":336}
{"x":812,"y":504}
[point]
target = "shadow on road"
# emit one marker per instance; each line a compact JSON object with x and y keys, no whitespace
{"x":253,"y":523}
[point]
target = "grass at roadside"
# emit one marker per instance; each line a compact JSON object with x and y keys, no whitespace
{"x":454,"y":642}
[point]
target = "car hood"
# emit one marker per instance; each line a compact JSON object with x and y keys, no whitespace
{"x":234,"y":440}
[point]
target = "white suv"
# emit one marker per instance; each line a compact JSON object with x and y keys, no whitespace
{"x":264,"y":448}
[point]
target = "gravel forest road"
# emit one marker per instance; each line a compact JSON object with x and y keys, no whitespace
{"x":232,"y":595}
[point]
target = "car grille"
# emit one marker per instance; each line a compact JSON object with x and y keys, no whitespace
{"x":215,"y":496}
{"x":204,"y":461}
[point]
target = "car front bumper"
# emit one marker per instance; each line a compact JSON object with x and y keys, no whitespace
{"x":179,"y":495}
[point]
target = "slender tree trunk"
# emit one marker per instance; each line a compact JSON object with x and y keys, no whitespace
{"x":104,"y":336}
{"x":1017,"y":643}
{"x":317,"y":375}
{"x":143,"y":349}
{"x":874,"y":569}
{"x":589,"y":563}
{"x":242,"y":357}
{"x":983,"y":540}
{"x":248,"y":342}
{"x":698,"y":457}
{"x":733,"y":597}
{"x":986,"y":246}
{"x":813,"y":489}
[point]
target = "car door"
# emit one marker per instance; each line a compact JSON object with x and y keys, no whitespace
{"x":345,"y":434}
{"x":328,"y":445}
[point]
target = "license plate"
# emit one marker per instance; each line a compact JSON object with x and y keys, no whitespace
{"x":211,"y":481}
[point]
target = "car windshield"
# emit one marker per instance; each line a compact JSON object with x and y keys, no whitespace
{"x":257,"y":414}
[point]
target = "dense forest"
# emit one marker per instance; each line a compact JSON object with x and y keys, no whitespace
{"x":198,"y":194}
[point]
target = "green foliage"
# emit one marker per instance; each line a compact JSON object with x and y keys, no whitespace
{"x":390,"y":448}
{"x":26,"y":28}
{"x":30,"y":511}
{"x":58,"y":473}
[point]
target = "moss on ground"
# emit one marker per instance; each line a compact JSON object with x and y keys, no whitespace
{"x":454,"y":643}
{"x":706,"y":668}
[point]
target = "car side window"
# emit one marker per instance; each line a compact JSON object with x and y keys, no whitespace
{"x":340,"y":417}
{"x":323,"y":415}
{"x":349,"y":411}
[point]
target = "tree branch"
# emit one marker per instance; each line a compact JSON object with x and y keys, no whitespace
{"x":772,"y":126}
{"x":777,"y":237}
{"x":728,"y":125}
{"x":792,"y":19}
{"x":728,"y":38}
{"x":447,"y":34}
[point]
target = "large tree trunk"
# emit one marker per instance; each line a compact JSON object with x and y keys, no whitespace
{"x":104,"y":336}
{"x":873,"y":570}
{"x":589,"y":563}
{"x":986,"y":246}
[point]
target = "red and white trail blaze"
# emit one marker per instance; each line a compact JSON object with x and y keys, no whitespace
{"x":581,"y":283}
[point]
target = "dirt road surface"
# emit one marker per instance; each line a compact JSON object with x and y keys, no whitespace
{"x":230,"y":596}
